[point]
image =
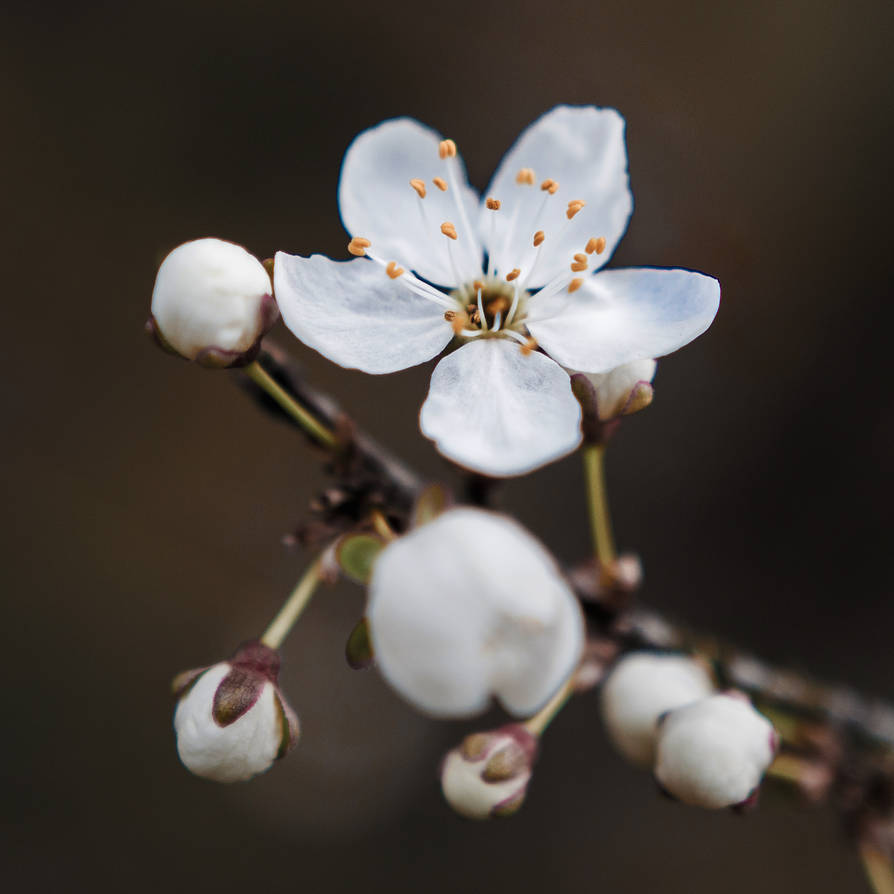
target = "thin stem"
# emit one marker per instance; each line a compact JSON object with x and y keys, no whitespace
{"x":381,"y":526}
{"x":305,"y":419}
{"x":291,"y":610}
{"x":600,"y":520}
{"x":542,"y":719}
{"x":878,"y":869}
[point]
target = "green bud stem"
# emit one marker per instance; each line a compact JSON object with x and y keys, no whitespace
{"x":597,"y":499}
{"x":291,"y":610}
{"x":303,"y":417}
{"x":541,"y":720}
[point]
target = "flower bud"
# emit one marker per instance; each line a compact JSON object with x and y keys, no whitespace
{"x":211,"y":303}
{"x":714,"y":753}
{"x":487,"y":775}
{"x":624,"y":389}
{"x":231,"y":720}
{"x":640,"y":688}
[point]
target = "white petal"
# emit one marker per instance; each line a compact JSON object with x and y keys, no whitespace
{"x":468,"y":605}
{"x":231,"y":753}
{"x":583,"y":149}
{"x":492,"y":409}
{"x":377,"y":202}
{"x":623,"y":315}
{"x":353,"y":313}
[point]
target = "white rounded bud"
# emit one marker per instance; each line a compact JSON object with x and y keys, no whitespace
{"x":639,"y":689}
{"x":212,"y":302}
{"x":231,"y":720}
{"x":624,"y":389}
{"x":487,"y":775}
{"x":715,"y":752}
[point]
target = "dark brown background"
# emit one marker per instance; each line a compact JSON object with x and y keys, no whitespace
{"x":146,"y":498}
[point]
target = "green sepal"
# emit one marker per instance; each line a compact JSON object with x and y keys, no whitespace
{"x":356,"y":555}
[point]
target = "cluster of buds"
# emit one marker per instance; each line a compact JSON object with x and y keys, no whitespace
{"x":212,"y":303}
{"x":232,"y":721}
{"x":707,"y":748}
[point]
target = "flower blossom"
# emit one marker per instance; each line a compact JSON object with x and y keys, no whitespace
{"x":512,"y":280}
{"x":470,"y":606}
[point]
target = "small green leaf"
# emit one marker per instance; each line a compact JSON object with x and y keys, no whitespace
{"x":358,"y":649}
{"x":356,"y":554}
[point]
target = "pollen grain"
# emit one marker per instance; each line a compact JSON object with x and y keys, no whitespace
{"x":448,"y":229}
{"x":358,"y":246}
{"x":419,"y":186}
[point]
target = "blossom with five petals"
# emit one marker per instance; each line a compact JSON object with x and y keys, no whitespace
{"x":517,"y":291}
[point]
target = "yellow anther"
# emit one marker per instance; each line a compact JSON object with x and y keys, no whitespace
{"x":477,"y":286}
{"x":549,"y":186}
{"x":447,"y":149}
{"x":575,"y":284}
{"x":358,"y":245}
{"x":394,"y":271}
{"x":419,"y":186}
{"x":493,"y":204}
{"x":458,"y":319}
{"x":578,"y":266}
{"x":448,"y":229}
{"x":512,"y":274}
{"x":441,"y":183}
{"x":580,"y":258}
{"x":538,"y":238}
{"x":574,"y":207}
{"x":596,"y":244}
{"x":529,"y":346}
{"x":525,"y":175}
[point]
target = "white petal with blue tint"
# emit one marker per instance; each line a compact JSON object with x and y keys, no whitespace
{"x":378,"y":203}
{"x":623,"y":315}
{"x":497,"y":411}
{"x":582,"y":148}
{"x":353,"y":313}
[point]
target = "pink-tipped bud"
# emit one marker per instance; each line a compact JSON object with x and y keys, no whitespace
{"x":714,"y":753}
{"x":232,"y":721}
{"x":212,"y":303}
{"x":623,"y":390}
{"x":488,"y":774}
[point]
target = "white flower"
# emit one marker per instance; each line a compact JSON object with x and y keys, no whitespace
{"x":468,"y":606}
{"x":231,"y":719}
{"x":212,"y":302}
{"x":623,"y":390}
{"x":514,"y":272}
{"x":639,"y":689}
{"x":714,"y":753}
{"x":488,"y":774}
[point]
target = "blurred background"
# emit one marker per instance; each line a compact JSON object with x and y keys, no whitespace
{"x":146,"y":498}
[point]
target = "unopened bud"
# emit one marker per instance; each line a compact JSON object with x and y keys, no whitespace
{"x":714,"y":753}
{"x":488,"y":774}
{"x":231,"y":720}
{"x":623,"y":390}
{"x":212,"y":303}
{"x":640,"y":688}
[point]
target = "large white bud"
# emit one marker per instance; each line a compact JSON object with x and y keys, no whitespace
{"x":715,"y":752}
{"x":623,"y":390}
{"x":211,"y":303}
{"x":470,"y":606}
{"x":488,"y":774}
{"x":639,"y":689}
{"x":231,"y":720}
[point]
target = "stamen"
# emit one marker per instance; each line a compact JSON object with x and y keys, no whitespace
{"x":575,"y":284}
{"x":441,"y":183}
{"x":596,"y":244}
{"x":549,"y":186}
{"x":514,"y":306}
{"x":477,"y":285}
{"x":574,"y":207}
{"x":447,"y":149}
{"x":448,"y":229}
{"x":394,"y":271}
{"x":482,"y":319}
{"x":457,"y":319}
{"x":539,"y":236}
{"x":578,"y":266}
{"x":497,"y":318}
{"x":580,"y":258}
{"x":493,"y":204}
{"x":419,"y":186}
{"x":358,"y":246}
{"x":525,"y":176}
{"x":512,"y":274}
{"x":529,"y":346}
